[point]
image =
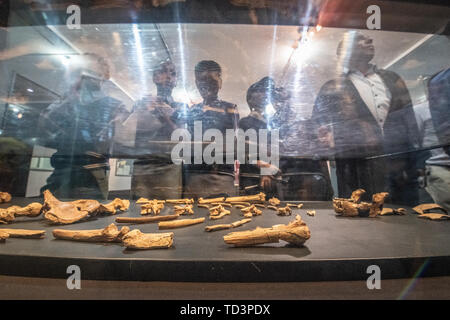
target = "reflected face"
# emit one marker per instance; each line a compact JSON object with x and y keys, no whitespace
{"x":258,"y":100}
{"x":208,"y":83}
{"x":363,"y":48}
{"x":166,"y":76}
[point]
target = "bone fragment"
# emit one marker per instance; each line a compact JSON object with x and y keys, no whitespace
{"x":258,"y":197}
{"x":113,"y":206}
{"x":311,"y":213}
{"x":5,"y":197}
{"x":184,"y":210}
{"x":138,"y":240}
{"x":296,"y":233}
{"x":207,"y":201}
{"x":146,"y":219}
{"x":179,"y":223}
{"x":227,"y":226}
{"x":24,"y":233}
{"x":428,"y":208}
{"x":109,"y":234}
{"x":152,"y":206}
{"x":274,"y":201}
{"x":180,"y":201}
{"x":286,"y":211}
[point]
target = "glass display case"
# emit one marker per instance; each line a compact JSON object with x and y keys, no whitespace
{"x":233,"y":140}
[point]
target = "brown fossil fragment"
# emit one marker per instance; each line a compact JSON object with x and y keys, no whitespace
{"x":3,"y":236}
{"x":428,"y":208}
{"x":239,"y":203}
{"x":146,"y":219}
{"x":353,"y":207}
{"x":8,"y":215}
{"x":274,"y":201}
{"x":113,"y":206}
{"x":391,"y":211}
{"x":203,"y":206}
{"x":240,"y":206}
{"x":152,"y":206}
{"x":311,"y":213}
{"x":227,"y":226}
{"x":223,"y":204}
{"x":259,"y":205}
{"x":67,"y":212}
{"x":24,"y":233}
{"x":208,"y":201}
{"x":286,"y":211}
{"x":257,"y":197}
{"x":296,"y":233}
{"x":179,"y":223}
{"x":5,"y":197}
{"x":184,"y":210}
{"x":108,"y":234}
{"x":272,"y":208}
{"x":251,"y":211}
{"x":434,"y":216}
{"x":180,"y":201}
{"x":218,"y":212}
{"x":145,"y":200}
{"x":138,"y":240}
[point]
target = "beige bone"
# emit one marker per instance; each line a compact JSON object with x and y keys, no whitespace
{"x":257,"y":197}
{"x":138,"y":240}
{"x":227,"y":226}
{"x":109,"y":234}
{"x":179,"y":223}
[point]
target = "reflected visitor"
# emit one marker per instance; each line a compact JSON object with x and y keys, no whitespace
{"x":81,"y":129}
{"x":367,"y":112}
{"x":154,"y":174}
{"x":203,"y":180}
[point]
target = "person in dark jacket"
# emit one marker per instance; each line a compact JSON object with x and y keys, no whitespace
{"x":202,"y":179}
{"x":81,"y":129}
{"x":361,"y":117}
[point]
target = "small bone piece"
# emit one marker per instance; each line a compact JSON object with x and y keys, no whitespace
{"x":240,"y":206}
{"x":428,"y":208}
{"x":434,"y":216}
{"x":296,"y":233}
{"x":207,"y":201}
{"x":67,"y":212}
{"x":272,"y":208}
{"x":286,"y":211}
{"x":218,"y":212}
{"x":137,"y":240}
{"x":184,"y":210}
{"x":245,"y":204}
{"x":357,"y":194}
{"x":116,"y":204}
{"x":3,"y":236}
{"x":145,"y":200}
{"x":311,"y":213}
{"x":391,"y":211}
{"x":377,"y":203}
{"x":257,"y":197}
{"x":24,"y":233}
{"x":180,"y":201}
{"x":5,"y":197}
{"x":221,"y":214}
{"x":9,"y":214}
{"x":292,"y":204}
{"x":352,"y":208}
{"x":260,"y":205}
{"x":203,"y":206}
{"x":179,"y":223}
{"x":223,"y":204}
{"x":153,"y":207}
{"x":227,"y":226}
{"x":109,"y":234}
{"x":300,"y":205}
{"x":146,"y":219}
{"x":252,"y":210}
{"x":274,"y":201}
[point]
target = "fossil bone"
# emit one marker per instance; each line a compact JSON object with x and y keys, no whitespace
{"x":146,"y":219}
{"x":179,"y":223}
{"x":428,"y":208}
{"x":257,"y":197}
{"x":223,"y":204}
{"x":3,"y":236}
{"x":24,"y":233}
{"x":434,"y":216}
{"x":272,"y":208}
{"x":353,"y":207}
{"x":138,"y":240}
{"x":116,"y":204}
{"x":391,"y":211}
{"x":184,"y":210}
{"x":180,"y":201}
{"x":286,"y":211}
{"x":5,"y":197}
{"x":203,"y":206}
{"x":227,"y":226}
{"x":311,"y":213}
{"x":218,"y":212}
{"x":67,"y":212}
{"x":239,"y":203}
{"x":145,"y":200}
{"x":274,"y":201}
{"x":207,"y":201}
{"x":109,"y":234}
{"x":296,"y":233}
{"x":251,"y":211}
{"x":8,"y":215}
{"x":152,"y":206}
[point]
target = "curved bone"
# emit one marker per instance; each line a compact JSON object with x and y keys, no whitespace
{"x":137,"y":240}
{"x":257,"y":197}
{"x":9,"y":214}
{"x":5,"y":197}
{"x":146,"y":219}
{"x":24,"y":233}
{"x":109,"y":234}
{"x":428,"y":208}
{"x":434,"y":216}
{"x":296,"y":233}
{"x":179,"y":223}
{"x":113,"y":206}
{"x":66,"y":212}
{"x":357,"y":195}
{"x":227,"y":226}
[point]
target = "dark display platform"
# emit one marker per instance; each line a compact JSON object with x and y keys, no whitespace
{"x":339,"y":249}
